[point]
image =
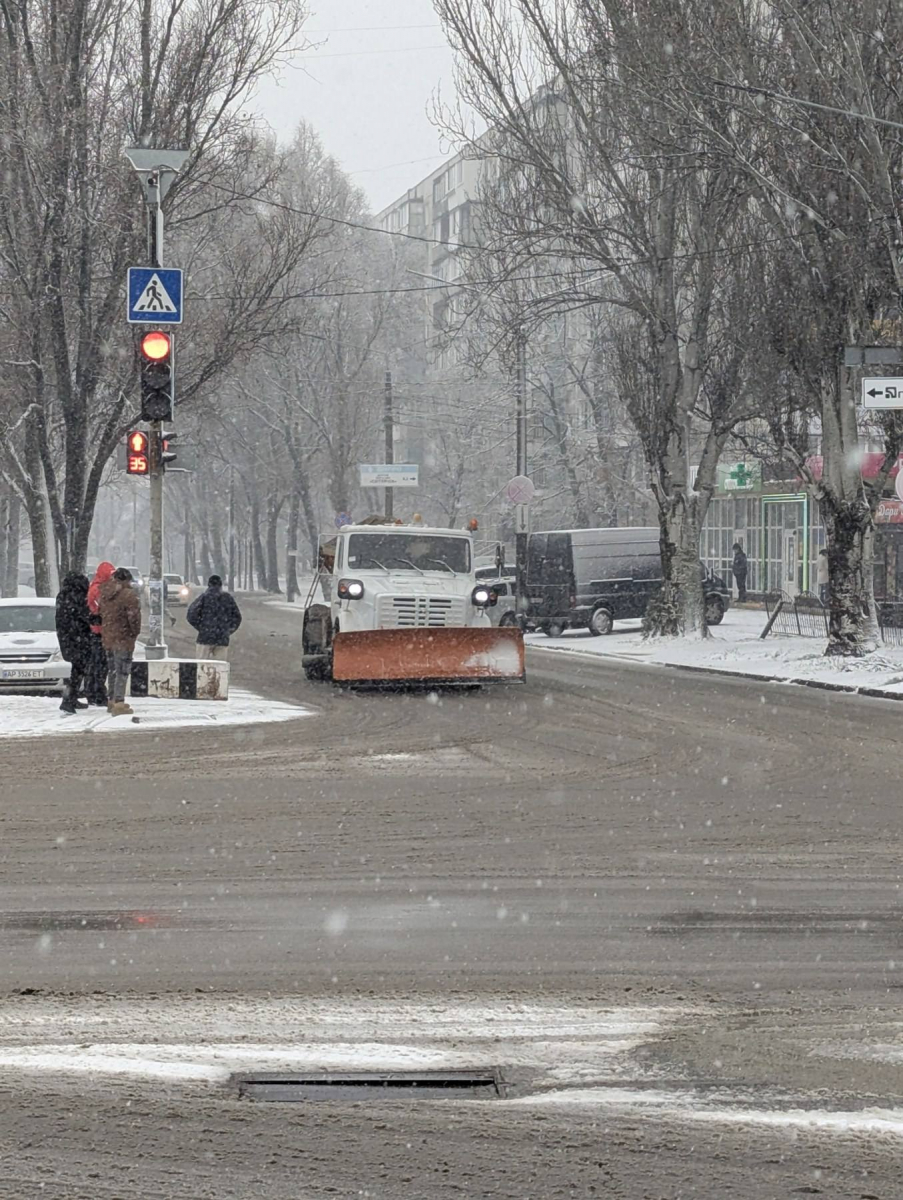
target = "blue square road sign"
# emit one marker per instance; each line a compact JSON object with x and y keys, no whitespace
{"x":154,"y":296}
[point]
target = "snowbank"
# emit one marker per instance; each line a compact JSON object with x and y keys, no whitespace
{"x":735,"y":648}
{"x":40,"y":716}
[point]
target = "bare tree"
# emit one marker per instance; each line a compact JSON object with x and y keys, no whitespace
{"x":617,"y":196}
{"x":71,"y":221}
{"x":820,"y":85}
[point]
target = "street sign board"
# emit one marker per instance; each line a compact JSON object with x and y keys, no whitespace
{"x":522,"y":518}
{"x":882,"y":393}
{"x":342,"y":519}
{"x":739,"y":477}
{"x":520,"y":490}
{"x":154,"y":296}
{"x":389,"y":474}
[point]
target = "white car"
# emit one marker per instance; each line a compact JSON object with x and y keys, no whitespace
{"x":178,"y":591}
{"x":30,"y":658}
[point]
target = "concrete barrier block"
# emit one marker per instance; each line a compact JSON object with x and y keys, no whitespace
{"x":180,"y":679}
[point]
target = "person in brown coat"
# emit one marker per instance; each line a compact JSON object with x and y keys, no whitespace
{"x":120,"y":611}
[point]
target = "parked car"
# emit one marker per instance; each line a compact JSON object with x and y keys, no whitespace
{"x":30,"y":659}
{"x":488,"y":574}
{"x":504,"y":611}
{"x":590,"y":578}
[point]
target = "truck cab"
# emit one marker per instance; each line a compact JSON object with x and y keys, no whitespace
{"x":396,"y":601}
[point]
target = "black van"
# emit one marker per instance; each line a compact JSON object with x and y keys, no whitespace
{"x":590,"y":578}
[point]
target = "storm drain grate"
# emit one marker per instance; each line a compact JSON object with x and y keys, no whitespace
{"x":370,"y":1085}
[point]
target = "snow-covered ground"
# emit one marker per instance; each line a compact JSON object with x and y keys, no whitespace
{"x":40,"y":716}
{"x":736,"y":647}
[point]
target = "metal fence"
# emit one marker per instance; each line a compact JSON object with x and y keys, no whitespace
{"x":805,"y":616}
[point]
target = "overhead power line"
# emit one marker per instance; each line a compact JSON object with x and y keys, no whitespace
{"x":357,"y":53}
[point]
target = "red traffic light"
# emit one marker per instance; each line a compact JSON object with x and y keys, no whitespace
{"x":137,"y":459}
{"x":156,"y":346}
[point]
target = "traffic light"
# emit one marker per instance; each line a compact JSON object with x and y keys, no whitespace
{"x":168,"y":453}
{"x":156,"y":376}
{"x":137,"y":457}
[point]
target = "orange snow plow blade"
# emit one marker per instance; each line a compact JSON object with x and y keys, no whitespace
{"x":428,"y":655}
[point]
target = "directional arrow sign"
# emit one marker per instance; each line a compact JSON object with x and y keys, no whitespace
{"x":882,"y":393}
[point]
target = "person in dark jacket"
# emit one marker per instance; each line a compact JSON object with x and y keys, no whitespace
{"x":215,"y":616}
{"x":120,"y":611}
{"x":96,"y":686}
{"x":739,"y":567}
{"x":73,"y":631}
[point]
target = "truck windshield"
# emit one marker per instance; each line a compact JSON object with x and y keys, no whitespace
{"x":407,"y":551}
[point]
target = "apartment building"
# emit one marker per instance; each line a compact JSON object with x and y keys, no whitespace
{"x":463,"y":429}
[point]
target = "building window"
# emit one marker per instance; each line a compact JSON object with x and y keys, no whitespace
{"x":730,"y":520}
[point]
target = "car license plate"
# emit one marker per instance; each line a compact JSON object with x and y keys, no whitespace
{"x":10,"y":675}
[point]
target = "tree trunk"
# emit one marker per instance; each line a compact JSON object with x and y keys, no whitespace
{"x":4,"y":539}
{"x":291,"y":556}
{"x":10,"y":582}
{"x":310,"y":516}
{"x":206,"y":564}
{"x":39,"y":520}
{"x":259,"y":560}
{"x":681,"y":607}
{"x":274,"y":508}
{"x":872,"y":627}
{"x":216,"y":546}
{"x":846,"y":525}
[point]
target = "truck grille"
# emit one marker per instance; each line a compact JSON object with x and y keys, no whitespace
{"x":24,"y":658}
{"x":420,"y":612}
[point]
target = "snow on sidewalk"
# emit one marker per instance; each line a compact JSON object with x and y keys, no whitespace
{"x":735,"y":647}
{"x":40,"y":716}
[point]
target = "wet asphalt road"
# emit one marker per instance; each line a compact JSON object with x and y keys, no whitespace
{"x":722,"y":855}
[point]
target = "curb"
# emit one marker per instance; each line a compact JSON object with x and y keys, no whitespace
{"x":820,"y":684}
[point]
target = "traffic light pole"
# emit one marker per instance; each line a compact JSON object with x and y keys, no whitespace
{"x":156,"y":642}
{"x":156,"y":169}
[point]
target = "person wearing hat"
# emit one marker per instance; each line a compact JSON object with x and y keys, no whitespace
{"x":73,"y":631}
{"x":216,"y":617}
{"x":120,"y":611}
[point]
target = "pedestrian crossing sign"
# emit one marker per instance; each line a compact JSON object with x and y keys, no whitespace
{"x":154,"y":296}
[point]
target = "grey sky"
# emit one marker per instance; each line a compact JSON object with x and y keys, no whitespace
{"x":366,"y":90}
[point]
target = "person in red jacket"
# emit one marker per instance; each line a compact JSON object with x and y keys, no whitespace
{"x":96,"y":680}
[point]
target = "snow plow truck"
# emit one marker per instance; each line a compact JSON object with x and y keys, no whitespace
{"x":394,"y":604}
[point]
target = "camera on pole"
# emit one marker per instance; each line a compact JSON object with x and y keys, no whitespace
{"x":156,"y":376}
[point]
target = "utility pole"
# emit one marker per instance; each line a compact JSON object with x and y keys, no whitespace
{"x":231,"y":527}
{"x":156,"y":170}
{"x":520,"y":536}
{"x":389,"y":423}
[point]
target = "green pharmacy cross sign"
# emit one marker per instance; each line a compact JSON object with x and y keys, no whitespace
{"x":739,"y":477}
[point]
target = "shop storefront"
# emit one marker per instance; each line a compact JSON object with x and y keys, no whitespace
{"x":782,"y":533}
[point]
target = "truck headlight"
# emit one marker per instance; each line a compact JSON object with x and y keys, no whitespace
{"x":482,"y":596}
{"x":350,"y":589}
